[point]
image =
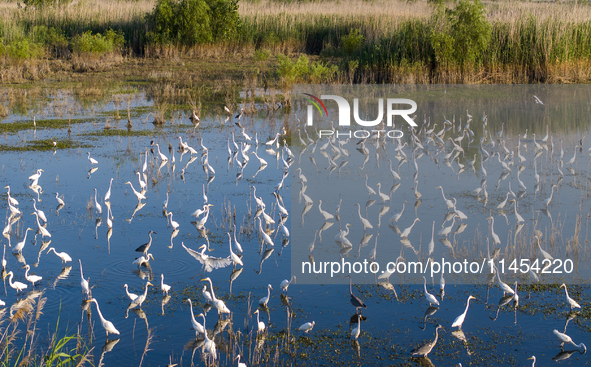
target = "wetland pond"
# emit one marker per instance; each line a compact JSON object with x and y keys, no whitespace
{"x":397,"y":318}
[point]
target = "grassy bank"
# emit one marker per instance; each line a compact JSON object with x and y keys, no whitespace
{"x":346,"y":41}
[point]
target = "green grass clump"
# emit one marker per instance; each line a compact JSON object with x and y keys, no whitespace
{"x":43,"y":145}
{"x":88,"y":43}
{"x":15,"y":127}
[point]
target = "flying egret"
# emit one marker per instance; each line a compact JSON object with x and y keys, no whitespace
{"x":62,"y":255}
{"x":430,"y":298}
{"x":164,"y":287}
{"x":199,"y":329}
{"x":260,"y":324}
{"x":460,"y":319}
{"x":572,"y":303}
{"x":209,"y":262}
{"x":84,"y":282}
{"x":107,"y":325}
{"x":265,"y":300}
{"x":567,"y":339}
{"x":31,"y":278}
{"x":425,"y":349}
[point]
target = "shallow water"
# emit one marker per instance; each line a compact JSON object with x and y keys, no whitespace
{"x":393,"y":326}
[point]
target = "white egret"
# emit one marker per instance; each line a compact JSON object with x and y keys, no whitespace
{"x":235,"y":258}
{"x":503,"y":203}
{"x":31,"y":278}
{"x":397,"y":216}
{"x":199,"y":329}
{"x":549,"y":200}
{"x":97,"y":206}
{"x":164,"y":287}
{"x":108,"y":194}
{"x":143,"y":260}
{"x":571,"y":302}
{"x":430,"y":298}
{"x":266,"y":238}
{"x":141,"y":297}
{"x":62,"y":255}
{"x":449,"y":203}
{"x":162,"y":156}
{"x":39,"y":212}
{"x":236,"y":243}
{"x":572,"y":160}
{"x":406,"y":232}
{"x":533,"y":364}
{"x":139,"y":195}
{"x":383,"y":196}
{"x":44,"y":232}
{"x":285,"y":283}
{"x":432,"y":243}
{"x":365,"y":222}
{"x":306,"y":327}
{"x":18,"y":286}
{"x":327,"y":216}
{"x":265,"y":300}
{"x":217,"y":303}
{"x":444,"y":231}
{"x":209,"y":262}
{"x":496,"y":239}
{"x":506,"y":289}
{"x":174,"y":224}
{"x":240,"y":364}
{"x":146,"y":246}
{"x":425,"y":349}
{"x":369,"y":189}
{"x":517,"y":215}
{"x":35,"y":177}
{"x":107,"y":325}
{"x":260,"y":324}
{"x":19,"y":246}
{"x":545,"y":254}
{"x":11,"y":200}
{"x":209,"y":345}
{"x":357,"y":330}
{"x":143,"y":184}
{"x":567,"y":339}
{"x":59,"y":201}
{"x":84,"y":282}
{"x":132,"y":296}
{"x":262,"y":162}
{"x":460,"y":319}
{"x":92,"y":160}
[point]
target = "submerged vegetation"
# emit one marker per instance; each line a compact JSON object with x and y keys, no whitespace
{"x":356,"y":41}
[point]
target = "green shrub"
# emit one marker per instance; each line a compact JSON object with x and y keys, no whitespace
{"x":262,"y":55}
{"x":97,"y":43}
{"x":352,"y":42}
{"x":24,"y":49}
{"x":302,"y":71}
{"x":52,"y":38}
{"x":193,"y":22}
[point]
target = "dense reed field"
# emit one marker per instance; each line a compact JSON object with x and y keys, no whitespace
{"x":350,"y":40}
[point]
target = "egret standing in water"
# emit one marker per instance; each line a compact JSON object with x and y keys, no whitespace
{"x":107,"y":325}
{"x":460,"y":319}
{"x":571,"y":302}
{"x":84,"y":282}
{"x":146,"y":246}
{"x":19,"y":246}
{"x":31,"y":278}
{"x":567,"y":339}
{"x":430,"y":298}
{"x":265,"y":300}
{"x":260,"y":324}
{"x":164,"y":287}
{"x":62,"y":255}
{"x":355,"y":301}
{"x":196,"y":326}
{"x":425,"y":349}
{"x":18,"y":286}
{"x":365,"y":222}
